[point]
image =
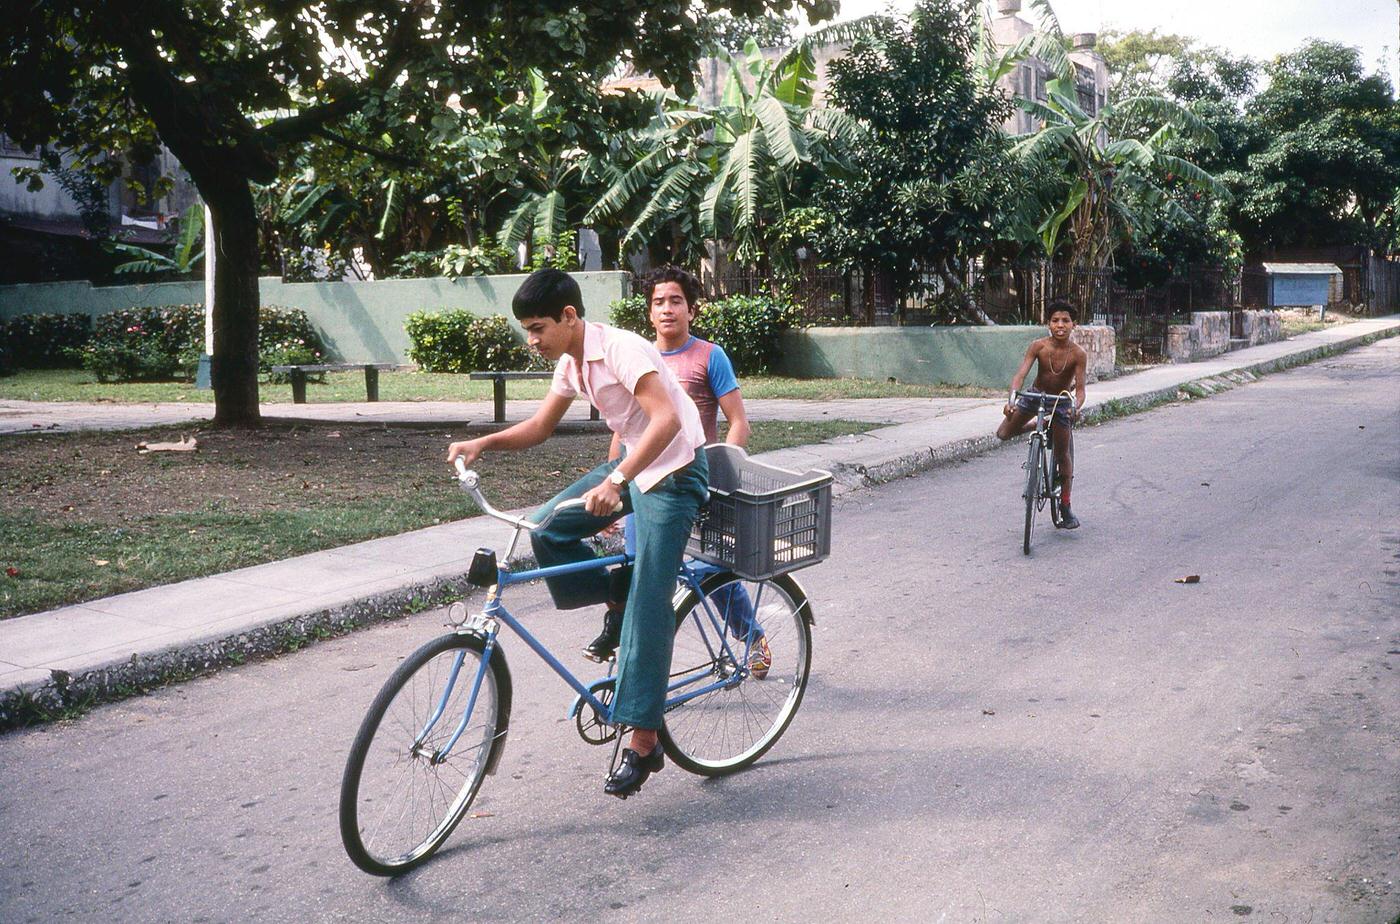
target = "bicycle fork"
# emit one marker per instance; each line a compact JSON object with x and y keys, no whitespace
{"x":440,"y":755}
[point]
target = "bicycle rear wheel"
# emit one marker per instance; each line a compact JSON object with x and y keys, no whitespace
{"x":400,"y":796}
{"x":743,"y":651}
{"x":1034,"y":477}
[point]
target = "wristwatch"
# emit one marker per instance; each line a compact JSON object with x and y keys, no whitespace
{"x":618,"y":479}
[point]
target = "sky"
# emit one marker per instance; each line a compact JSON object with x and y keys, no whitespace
{"x":1258,"y":28}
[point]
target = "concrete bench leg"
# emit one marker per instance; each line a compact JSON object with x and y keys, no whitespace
{"x":298,"y":386}
{"x":498,"y":395}
{"x":371,"y":383}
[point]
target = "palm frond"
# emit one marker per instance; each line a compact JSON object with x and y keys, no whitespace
{"x":393,"y":209}
{"x":549,"y":216}
{"x":521,"y":218}
{"x":1129,"y":151}
{"x":626,"y":187}
{"x":1035,"y":143}
{"x":1191,"y":173}
{"x":672,"y":196}
{"x":785,"y":141}
{"x":747,"y":179}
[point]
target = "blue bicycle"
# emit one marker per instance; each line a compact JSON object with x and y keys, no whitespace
{"x":439,"y":725}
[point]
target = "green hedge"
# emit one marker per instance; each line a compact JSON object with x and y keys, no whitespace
{"x":43,"y":341}
{"x":747,"y":326}
{"x":459,"y":341}
{"x":165,"y":342}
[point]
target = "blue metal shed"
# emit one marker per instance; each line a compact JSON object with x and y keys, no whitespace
{"x":1302,"y":284}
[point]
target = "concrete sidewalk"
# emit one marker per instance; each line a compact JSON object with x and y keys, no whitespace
{"x":110,"y":647}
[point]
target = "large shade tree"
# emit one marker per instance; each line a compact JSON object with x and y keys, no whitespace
{"x":1327,"y":163}
{"x":231,"y":88}
{"x":933,"y":179}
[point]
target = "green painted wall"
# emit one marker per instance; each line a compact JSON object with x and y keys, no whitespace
{"x":986,"y":356}
{"x":360,"y":321}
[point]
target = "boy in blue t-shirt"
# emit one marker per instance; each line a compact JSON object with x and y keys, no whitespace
{"x":707,"y":375}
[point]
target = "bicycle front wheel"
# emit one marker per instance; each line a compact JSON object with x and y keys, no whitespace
{"x":1033,"y":479}
{"x":404,"y":790}
{"x":743,"y":651}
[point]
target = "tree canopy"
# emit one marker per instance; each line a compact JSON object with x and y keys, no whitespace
{"x":233,"y":89}
{"x":1327,"y":163}
{"x":932,"y":177}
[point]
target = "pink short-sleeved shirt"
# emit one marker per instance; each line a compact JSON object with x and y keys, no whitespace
{"x":613,"y":362}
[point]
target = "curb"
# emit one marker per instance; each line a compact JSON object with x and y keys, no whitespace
{"x":66,"y":695}
{"x":858,"y":476}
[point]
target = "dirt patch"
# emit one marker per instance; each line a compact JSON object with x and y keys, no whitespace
{"x":101,"y":477}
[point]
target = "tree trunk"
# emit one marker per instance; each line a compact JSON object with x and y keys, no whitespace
{"x":234,"y":366}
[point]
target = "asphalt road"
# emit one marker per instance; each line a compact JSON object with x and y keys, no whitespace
{"x":987,"y":737}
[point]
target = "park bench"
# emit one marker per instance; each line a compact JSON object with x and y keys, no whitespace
{"x":498,"y":389}
{"x":298,"y":376}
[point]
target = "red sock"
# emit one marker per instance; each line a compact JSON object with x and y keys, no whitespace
{"x":1064,"y":495}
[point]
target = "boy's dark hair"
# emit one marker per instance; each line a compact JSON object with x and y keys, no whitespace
{"x":1060,"y":304}
{"x":687,"y":281}
{"x":544,"y":293}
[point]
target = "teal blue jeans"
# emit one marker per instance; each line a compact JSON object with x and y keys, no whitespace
{"x":665,"y":515}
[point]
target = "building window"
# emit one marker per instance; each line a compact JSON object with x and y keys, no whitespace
{"x":1085,"y":89}
{"x":8,"y":148}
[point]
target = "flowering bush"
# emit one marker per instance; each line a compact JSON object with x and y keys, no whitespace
{"x":459,"y":341}
{"x":44,"y":341}
{"x":149,"y":344}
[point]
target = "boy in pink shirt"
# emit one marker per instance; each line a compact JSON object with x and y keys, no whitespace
{"x":661,"y":476}
{"x":705,"y":372}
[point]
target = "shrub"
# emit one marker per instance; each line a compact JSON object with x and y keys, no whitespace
{"x":143,"y":344}
{"x":747,"y":326}
{"x":631,"y":313}
{"x":459,"y":341}
{"x":149,"y":344}
{"x":44,"y":341}
{"x":455,"y":260}
{"x":285,"y":338}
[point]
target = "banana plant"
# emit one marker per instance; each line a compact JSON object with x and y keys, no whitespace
{"x":1115,"y":187}
{"x":185,"y":257}
{"x":730,"y":171}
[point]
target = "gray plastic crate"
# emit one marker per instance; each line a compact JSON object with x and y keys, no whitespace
{"x":762,"y":521}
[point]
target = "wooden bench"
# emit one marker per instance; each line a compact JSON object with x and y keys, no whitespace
{"x":498,"y":389}
{"x":298,"y":375}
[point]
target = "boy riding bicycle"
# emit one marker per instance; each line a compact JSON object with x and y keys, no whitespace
{"x":662,"y":477}
{"x":705,"y":372}
{"x":1060,"y":364}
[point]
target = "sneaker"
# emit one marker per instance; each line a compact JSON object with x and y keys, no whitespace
{"x":1067,"y":518}
{"x":760,"y":658}
{"x":605,"y":645}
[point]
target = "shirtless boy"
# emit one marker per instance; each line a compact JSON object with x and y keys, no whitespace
{"x":1060,"y":363}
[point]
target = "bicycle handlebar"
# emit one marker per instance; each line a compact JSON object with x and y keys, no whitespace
{"x":1031,"y":393}
{"x":471,"y":483}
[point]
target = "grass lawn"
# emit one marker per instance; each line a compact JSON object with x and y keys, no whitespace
{"x":84,"y":515}
{"x":79,"y":385}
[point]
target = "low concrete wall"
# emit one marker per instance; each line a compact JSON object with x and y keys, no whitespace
{"x":987,"y":356}
{"x":1261,"y":326}
{"x":1208,"y":334}
{"x":360,"y":321}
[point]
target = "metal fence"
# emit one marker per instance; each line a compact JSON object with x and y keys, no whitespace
{"x":1018,"y":293}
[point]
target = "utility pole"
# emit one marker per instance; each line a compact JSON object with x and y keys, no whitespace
{"x":202,"y":377}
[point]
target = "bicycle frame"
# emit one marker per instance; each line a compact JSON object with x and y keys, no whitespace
{"x":495,"y":613}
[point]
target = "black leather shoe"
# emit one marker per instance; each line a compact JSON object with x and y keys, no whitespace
{"x":602,"y":648}
{"x":1067,"y":519}
{"x":633,"y":771}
